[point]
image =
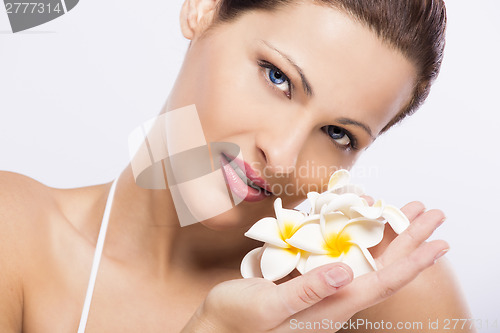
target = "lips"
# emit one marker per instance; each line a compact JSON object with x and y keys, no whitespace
{"x":243,"y":180}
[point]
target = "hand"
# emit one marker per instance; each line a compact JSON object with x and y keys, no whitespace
{"x":399,"y":258}
{"x":257,"y":305}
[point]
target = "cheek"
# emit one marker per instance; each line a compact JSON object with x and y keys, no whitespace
{"x":243,"y":215}
{"x":316,"y":163}
{"x":221,"y":92}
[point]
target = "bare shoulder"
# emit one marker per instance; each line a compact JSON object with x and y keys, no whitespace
{"x":21,"y":195}
{"x":36,"y":219}
{"x":25,"y":205}
{"x":47,"y":239}
{"x":21,"y":199}
{"x":45,"y":249}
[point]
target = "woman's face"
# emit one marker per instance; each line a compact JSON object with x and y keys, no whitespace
{"x":302,"y":91}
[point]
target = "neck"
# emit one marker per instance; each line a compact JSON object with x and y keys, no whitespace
{"x":144,"y":230}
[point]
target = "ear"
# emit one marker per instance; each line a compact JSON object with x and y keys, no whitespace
{"x":196,"y":16}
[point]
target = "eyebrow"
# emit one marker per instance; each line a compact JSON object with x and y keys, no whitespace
{"x":306,"y":86}
{"x":348,"y":121}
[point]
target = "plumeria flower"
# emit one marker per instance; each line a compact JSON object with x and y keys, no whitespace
{"x":339,"y":183}
{"x":276,"y":259}
{"x":348,"y":227}
{"x":340,"y":227}
{"x":340,"y":237}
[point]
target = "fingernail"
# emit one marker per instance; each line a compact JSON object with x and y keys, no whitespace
{"x":440,"y":254}
{"x":442,"y":221}
{"x":337,"y":277}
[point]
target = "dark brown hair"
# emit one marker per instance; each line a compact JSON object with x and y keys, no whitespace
{"x":415,"y":27}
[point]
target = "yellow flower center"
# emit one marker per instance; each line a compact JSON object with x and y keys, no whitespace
{"x":288,"y":230}
{"x":292,"y":250}
{"x":336,"y":244}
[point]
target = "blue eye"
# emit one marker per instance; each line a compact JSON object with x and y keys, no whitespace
{"x":339,"y":135}
{"x":276,"y":76}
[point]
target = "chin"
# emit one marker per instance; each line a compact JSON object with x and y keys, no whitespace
{"x":242,"y":216}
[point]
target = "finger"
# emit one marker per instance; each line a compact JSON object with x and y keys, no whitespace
{"x":410,"y":239}
{"x":413,"y":209}
{"x":375,"y":287}
{"x":308,"y":289}
{"x":372,"y":288}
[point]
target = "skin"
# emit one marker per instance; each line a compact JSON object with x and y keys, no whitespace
{"x":154,"y":274}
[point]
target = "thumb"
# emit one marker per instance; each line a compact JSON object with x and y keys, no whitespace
{"x":306,"y":290}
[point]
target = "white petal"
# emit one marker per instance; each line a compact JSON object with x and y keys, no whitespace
{"x":314,"y":218}
{"x":316,"y":260}
{"x":311,"y":197}
{"x":364,"y":232}
{"x":348,"y":188}
{"x":309,"y":238}
{"x":332,"y":224}
{"x":277,"y":263}
{"x":250,"y":265}
{"x":289,"y":221}
{"x":373,"y":212}
{"x":339,"y":178}
{"x":344,"y":203}
{"x":356,"y":259}
{"x":396,"y":218}
{"x":323,"y":199}
{"x":278,"y":205}
{"x":368,"y":257}
{"x":267,"y":230}
{"x":301,"y":266}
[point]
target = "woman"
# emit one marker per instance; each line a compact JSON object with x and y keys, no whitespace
{"x":289,"y":82}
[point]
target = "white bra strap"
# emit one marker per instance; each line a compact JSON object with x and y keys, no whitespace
{"x":97,"y":259}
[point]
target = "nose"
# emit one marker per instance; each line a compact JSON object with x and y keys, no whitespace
{"x":281,"y":144}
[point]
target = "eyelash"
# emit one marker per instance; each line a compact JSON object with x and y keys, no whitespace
{"x":267,"y":65}
{"x":353,"y":142}
{"x":352,"y":139}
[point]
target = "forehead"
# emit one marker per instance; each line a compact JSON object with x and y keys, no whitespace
{"x":351,"y":70}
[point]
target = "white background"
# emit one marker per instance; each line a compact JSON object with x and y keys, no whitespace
{"x":72,"y":90}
